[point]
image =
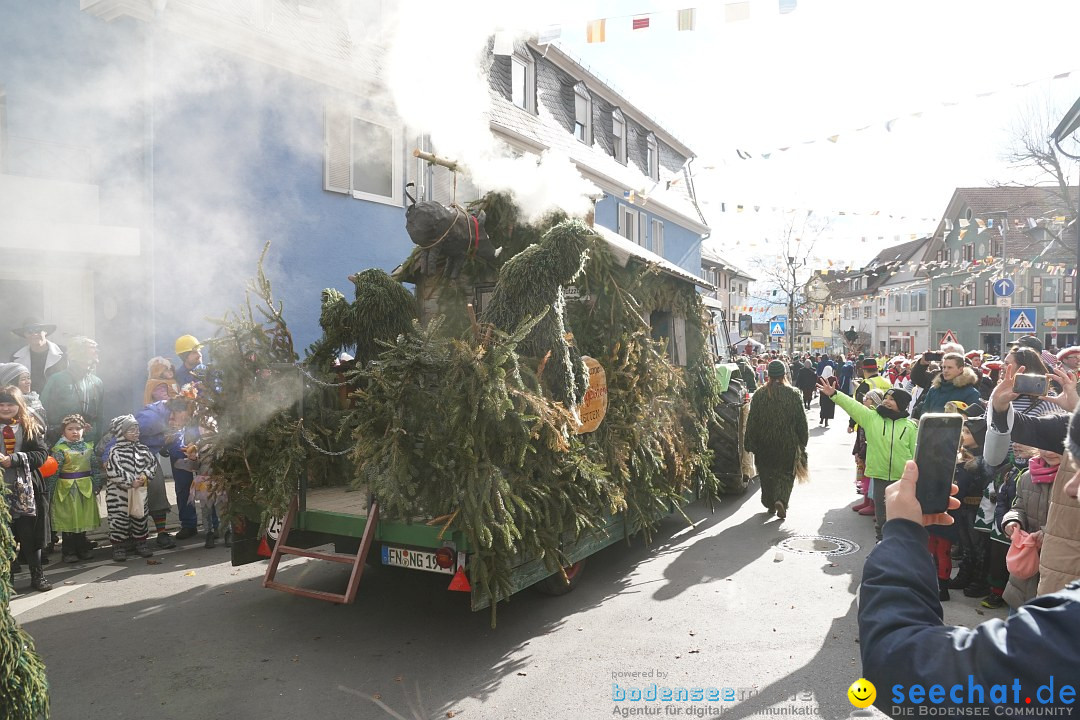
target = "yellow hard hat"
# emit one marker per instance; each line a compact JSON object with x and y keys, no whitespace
{"x":187,"y":343}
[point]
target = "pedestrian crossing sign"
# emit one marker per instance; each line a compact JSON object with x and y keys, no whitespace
{"x":777,"y":328}
{"x":1022,"y":319}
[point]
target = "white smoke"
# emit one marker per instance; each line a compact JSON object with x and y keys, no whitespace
{"x":437,"y":72}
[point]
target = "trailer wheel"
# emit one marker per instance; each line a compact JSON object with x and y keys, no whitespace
{"x":555,"y":585}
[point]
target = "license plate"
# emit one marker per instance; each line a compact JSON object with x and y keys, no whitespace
{"x":414,"y":559}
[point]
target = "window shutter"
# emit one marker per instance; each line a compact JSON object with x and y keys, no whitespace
{"x":442,"y":184}
{"x":338,"y":160}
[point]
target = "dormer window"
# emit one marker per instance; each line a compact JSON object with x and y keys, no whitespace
{"x":618,"y":136}
{"x":523,"y":82}
{"x":652,"y":157}
{"x":582,"y":114}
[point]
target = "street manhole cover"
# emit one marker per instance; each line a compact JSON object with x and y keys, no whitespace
{"x":818,"y":545}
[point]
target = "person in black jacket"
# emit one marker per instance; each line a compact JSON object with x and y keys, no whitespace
{"x":1028,"y":661}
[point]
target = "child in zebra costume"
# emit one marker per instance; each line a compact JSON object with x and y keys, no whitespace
{"x":128,"y":465}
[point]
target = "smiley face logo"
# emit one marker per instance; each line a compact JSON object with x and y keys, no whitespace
{"x":862,"y":693}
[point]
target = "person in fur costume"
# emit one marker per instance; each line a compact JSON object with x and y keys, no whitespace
{"x":161,"y":380}
{"x":776,"y":432}
{"x":128,"y":468}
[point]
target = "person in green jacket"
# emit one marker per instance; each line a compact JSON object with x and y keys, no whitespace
{"x":777,"y":434}
{"x":890,"y":440}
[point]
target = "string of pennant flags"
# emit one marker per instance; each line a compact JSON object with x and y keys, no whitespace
{"x":686,"y":19}
{"x":891,"y":124}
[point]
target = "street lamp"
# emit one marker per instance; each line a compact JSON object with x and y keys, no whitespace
{"x":1068,"y":125}
{"x":793,"y":265}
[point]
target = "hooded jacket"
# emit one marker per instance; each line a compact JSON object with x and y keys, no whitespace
{"x":1059,"y":560}
{"x":904,"y":642}
{"x":963,"y":388}
{"x":889,"y":443}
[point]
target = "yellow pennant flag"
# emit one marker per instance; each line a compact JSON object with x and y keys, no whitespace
{"x":733,"y":12}
{"x":595,"y":32}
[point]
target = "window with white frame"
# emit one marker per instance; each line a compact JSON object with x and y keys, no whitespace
{"x":523,"y":82}
{"x":881,"y":306}
{"x":652,"y":157}
{"x":867,"y":311}
{"x":582,"y":114}
{"x":363,"y":156}
{"x":618,"y":136}
{"x":658,"y":237}
{"x":633,"y":225}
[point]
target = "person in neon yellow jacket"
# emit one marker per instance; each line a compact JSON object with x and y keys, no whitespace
{"x":890,"y":440}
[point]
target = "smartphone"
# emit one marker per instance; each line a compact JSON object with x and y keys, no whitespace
{"x":933,"y":356}
{"x":1030,"y":384}
{"x":936,"y":447}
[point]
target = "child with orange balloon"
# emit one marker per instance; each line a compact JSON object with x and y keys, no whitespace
{"x":74,"y":489}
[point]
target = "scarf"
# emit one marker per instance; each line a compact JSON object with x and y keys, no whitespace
{"x":1040,"y":471}
{"x":9,"y":438}
{"x":891,"y":414}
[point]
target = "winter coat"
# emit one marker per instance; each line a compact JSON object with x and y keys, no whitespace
{"x":1059,"y":561}
{"x":1030,"y":509}
{"x":24,"y":477}
{"x":904,"y":642}
{"x":922,"y":376}
{"x":66,"y":393}
{"x":776,"y":430}
{"x":890,"y":443}
{"x":847,"y":372}
{"x":155,"y":432}
{"x":806,"y":380}
{"x":962,"y":388}
{"x":54,"y":362}
{"x":1046,"y":432}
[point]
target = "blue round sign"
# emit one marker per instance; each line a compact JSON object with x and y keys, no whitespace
{"x":1004,"y":287}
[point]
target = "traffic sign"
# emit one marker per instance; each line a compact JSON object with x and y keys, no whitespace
{"x":1004,"y":287}
{"x":777,"y":328}
{"x":1004,"y":302}
{"x":1022,"y":319}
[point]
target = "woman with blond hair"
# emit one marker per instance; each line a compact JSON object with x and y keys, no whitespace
{"x":24,"y":452}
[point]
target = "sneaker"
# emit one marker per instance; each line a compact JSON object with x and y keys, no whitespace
{"x":186,"y":532}
{"x":165,"y":541}
{"x":143,"y":550}
{"x":119,"y":554}
{"x":993,"y":601}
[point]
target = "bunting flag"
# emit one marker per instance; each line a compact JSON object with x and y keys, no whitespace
{"x":736,"y":11}
{"x":640,"y":23}
{"x":596,"y":31}
{"x":741,"y":11}
{"x":688,"y":19}
{"x":548,"y":34}
{"x":787,"y":6}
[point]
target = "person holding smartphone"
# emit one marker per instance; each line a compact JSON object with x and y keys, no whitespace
{"x":904,"y":642}
{"x":890,"y":439}
{"x":956,"y":383}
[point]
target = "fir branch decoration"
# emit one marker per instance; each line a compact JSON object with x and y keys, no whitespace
{"x":382,"y":310}
{"x":24,"y":690}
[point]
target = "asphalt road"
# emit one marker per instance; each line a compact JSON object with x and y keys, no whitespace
{"x":716,"y":605}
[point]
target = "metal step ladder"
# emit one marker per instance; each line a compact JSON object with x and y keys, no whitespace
{"x":357,"y":561}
